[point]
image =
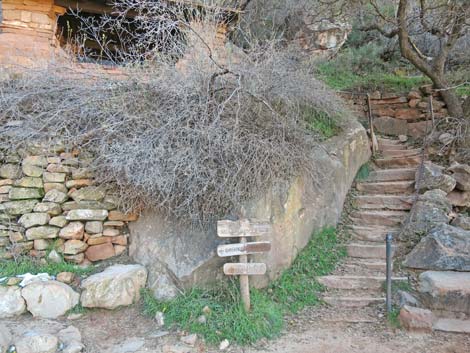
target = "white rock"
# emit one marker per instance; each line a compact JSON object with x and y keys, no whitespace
{"x":5,"y":338}
{"x":118,"y":285}
{"x":190,"y":340}
{"x":224,"y":345}
{"x":33,"y":342}
{"x":72,"y":339}
{"x":49,"y":299}
{"x":160,"y":319}
{"x":11,"y":302}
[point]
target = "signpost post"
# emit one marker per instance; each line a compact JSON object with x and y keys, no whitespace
{"x":242,"y":229}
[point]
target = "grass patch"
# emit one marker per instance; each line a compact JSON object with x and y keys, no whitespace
{"x":344,"y":80}
{"x":10,"y":268}
{"x":320,"y":123}
{"x":77,"y":309}
{"x":294,"y":290}
{"x":392,"y":318}
{"x":363,"y":172}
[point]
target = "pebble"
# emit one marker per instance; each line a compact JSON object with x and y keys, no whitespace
{"x":224,"y":345}
{"x":190,"y":340}
{"x":160,"y":319}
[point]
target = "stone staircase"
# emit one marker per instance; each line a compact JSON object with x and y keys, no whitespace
{"x":383,"y":202}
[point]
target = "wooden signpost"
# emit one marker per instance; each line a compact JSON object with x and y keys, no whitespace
{"x":242,"y":229}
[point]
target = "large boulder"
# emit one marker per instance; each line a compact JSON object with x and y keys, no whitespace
{"x":445,"y":248}
{"x":117,"y":285}
{"x":462,"y":222}
{"x":416,"y":319}
{"x":49,"y":299}
{"x":391,"y":126}
{"x":179,"y":256}
{"x":431,"y":176}
{"x":430,"y":210}
{"x":11,"y":302}
{"x":34,"y":342}
{"x":446,"y":290}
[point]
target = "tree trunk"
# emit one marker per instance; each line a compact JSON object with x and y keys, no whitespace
{"x":453,"y":102}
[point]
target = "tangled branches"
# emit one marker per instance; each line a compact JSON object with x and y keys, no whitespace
{"x":194,"y":142}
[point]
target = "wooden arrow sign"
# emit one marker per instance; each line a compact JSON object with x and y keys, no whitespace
{"x":243,"y":228}
{"x":244,"y":269}
{"x":243,"y":248}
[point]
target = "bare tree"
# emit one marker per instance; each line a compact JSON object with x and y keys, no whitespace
{"x":445,"y":20}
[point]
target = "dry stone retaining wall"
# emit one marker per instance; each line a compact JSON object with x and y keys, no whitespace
{"x":49,"y":201}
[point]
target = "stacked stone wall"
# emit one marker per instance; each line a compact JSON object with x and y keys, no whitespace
{"x":49,"y":201}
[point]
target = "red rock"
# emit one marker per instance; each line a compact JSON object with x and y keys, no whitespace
{"x":120,"y":216}
{"x":459,"y":198}
{"x":414,"y":95}
{"x":418,"y":129}
{"x":416,"y":319}
{"x":413,"y":103}
{"x":407,"y":114}
{"x":120,"y":240}
{"x":100,"y":252}
{"x":99,"y":240}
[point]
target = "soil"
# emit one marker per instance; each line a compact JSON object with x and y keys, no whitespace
{"x":308,"y":332}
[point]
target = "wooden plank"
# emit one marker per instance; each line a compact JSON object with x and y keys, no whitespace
{"x":243,"y":248}
{"x":243,"y":228}
{"x":249,"y":269}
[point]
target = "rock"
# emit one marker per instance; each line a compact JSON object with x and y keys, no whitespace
{"x":391,"y":126}
{"x":58,"y":168}
{"x":65,"y":277}
{"x":76,"y":259}
{"x":89,"y":193}
{"x":13,"y":281}
{"x":419,"y":129}
{"x":446,"y":138}
{"x":414,"y":95}
{"x":55,"y":196}
{"x":444,"y":248}
{"x":119,"y":249}
{"x":32,"y":170}
{"x":100,"y":252}
{"x":461,"y":173}
{"x":74,"y":230}
{"x":430,"y":210}
{"x":94,"y":227}
{"x":33,"y":342}
{"x":160,"y":319}
{"x":413,"y":103}
{"x":73,"y":347}
{"x":11,"y":302}
{"x":41,"y":244}
{"x":117,"y":285}
{"x":87,"y":205}
{"x":87,"y":215}
{"x":202,"y":319}
{"x":78,"y":183}
{"x":29,"y":220}
{"x":125,"y":217}
{"x":10,"y":171}
{"x":58,"y":221}
{"x":459,"y":198}
{"x":416,"y":319}
{"x":49,"y":299}
{"x":17,"y":193}
{"x":406,"y":298}
{"x":42,"y":232}
{"x":129,"y":345}
{"x":190,"y":340}
{"x":5,"y":338}
{"x":29,"y":182}
{"x":39,"y":161}
{"x":71,"y":338}
{"x":445,"y":290}
{"x":51,"y":208}
{"x":81,"y":173}
{"x":433,"y":177}
{"x":224,"y":345}
{"x":402,"y":138}
{"x":53,"y":177}
{"x":462,"y":222}
{"x":16,"y":208}
{"x":110,"y":232}
{"x":74,"y":246}
{"x":54,"y":257}
{"x":55,"y":186}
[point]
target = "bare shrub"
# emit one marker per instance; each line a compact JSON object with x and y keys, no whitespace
{"x":194,"y":141}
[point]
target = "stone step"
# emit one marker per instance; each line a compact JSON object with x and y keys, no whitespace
{"x":350,"y":316}
{"x":392,"y":175}
{"x":378,"y":218}
{"x":452,"y":325}
{"x":397,"y":162}
{"x":384,"y":202}
{"x":358,"y":265}
{"x":385,"y":147}
{"x":401,"y":153}
{"x":372,"y":234}
{"x":368,"y":250}
{"x":386,"y":187}
{"x":352,"y":302}
{"x":355,"y":282}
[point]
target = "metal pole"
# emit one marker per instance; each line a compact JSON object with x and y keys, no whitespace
{"x":388,"y":247}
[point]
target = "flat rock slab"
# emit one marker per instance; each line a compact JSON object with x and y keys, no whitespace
{"x":452,"y":325}
{"x":117,"y":285}
{"x":446,"y":290}
{"x":392,"y":175}
{"x":386,"y":187}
